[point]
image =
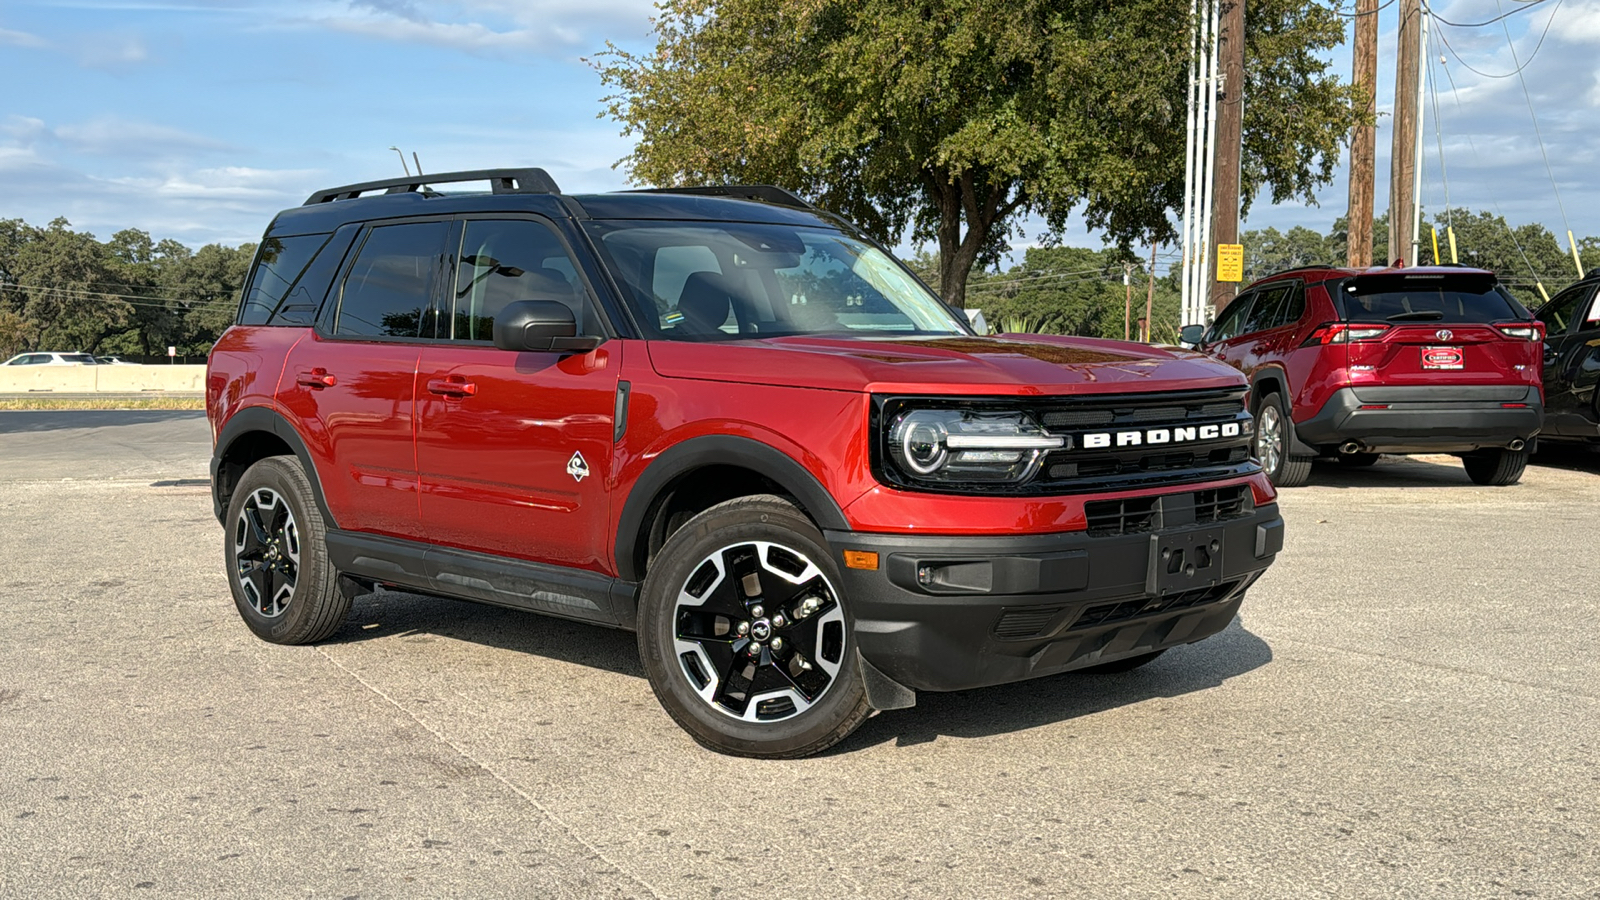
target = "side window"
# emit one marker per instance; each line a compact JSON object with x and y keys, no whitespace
{"x":389,"y":291}
{"x":1232,"y":319}
{"x":1265,"y":312}
{"x":1592,"y":320}
{"x":279,"y":263}
{"x":507,"y":261}
{"x":299,"y":306}
{"x":1558,"y":313}
{"x":1294,"y":306}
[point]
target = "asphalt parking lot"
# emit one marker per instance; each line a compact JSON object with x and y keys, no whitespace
{"x":1408,"y":706}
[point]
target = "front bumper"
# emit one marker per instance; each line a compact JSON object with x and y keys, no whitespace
{"x":1444,"y":419}
{"x":946,"y":613}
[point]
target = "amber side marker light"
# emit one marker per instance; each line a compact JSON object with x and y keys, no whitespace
{"x":860,"y":559}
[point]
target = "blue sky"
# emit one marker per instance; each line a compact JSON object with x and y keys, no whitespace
{"x":198,"y":120}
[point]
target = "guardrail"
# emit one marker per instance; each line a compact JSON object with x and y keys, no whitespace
{"x":101,"y":379}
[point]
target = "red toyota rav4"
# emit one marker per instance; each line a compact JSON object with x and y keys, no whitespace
{"x":727,"y":421}
{"x":1354,"y":363}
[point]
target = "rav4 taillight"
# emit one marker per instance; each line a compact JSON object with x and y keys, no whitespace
{"x":1532,"y":331}
{"x":1344,"y":333}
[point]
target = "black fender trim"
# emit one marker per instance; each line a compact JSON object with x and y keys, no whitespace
{"x":718,"y":450}
{"x":261,"y":418}
{"x":1275,"y":380}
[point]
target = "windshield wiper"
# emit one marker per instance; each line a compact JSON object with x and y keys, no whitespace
{"x":1421,"y":315}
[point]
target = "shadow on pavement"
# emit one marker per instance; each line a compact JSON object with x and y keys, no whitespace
{"x":1570,"y":456}
{"x":28,"y":420}
{"x":976,"y":713}
{"x":1391,"y":471}
{"x":1059,"y":698}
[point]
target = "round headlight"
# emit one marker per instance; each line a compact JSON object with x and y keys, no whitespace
{"x":921,"y":440}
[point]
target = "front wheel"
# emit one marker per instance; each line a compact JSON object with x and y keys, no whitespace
{"x":1495,"y":468}
{"x":745,"y":635}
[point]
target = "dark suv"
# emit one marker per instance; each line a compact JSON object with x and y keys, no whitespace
{"x":1353,"y":363}
{"x":729,"y":422}
{"x":1572,"y":362}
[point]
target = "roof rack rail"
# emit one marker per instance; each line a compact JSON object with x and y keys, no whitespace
{"x":501,"y":181}
{"x":762,"y":193}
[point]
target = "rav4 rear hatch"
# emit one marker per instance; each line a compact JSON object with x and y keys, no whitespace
{"x":1427,"y":328}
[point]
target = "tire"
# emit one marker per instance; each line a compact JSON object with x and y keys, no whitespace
{"x":1274,"y":438}
{"x":1495,"y":468}
{"x":1357,"y":460}
{"x":286,"y":589}
{"x":1121,"y":665}
{"x":735,"y":649}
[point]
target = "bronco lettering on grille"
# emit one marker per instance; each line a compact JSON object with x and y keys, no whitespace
{"x":1105,"y":439}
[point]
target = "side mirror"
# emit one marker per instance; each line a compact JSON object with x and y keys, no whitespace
{"x":1190,"y":335}
{"x":539,"y":326}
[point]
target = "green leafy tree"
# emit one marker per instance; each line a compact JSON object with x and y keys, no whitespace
{"x":956,"y":118}
{"x":1269,"y":250}
{"x":62,"y":277}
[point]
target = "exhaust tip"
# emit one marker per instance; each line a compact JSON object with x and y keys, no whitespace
{"x":1517,"y":444}
{"x":1350,"y":447}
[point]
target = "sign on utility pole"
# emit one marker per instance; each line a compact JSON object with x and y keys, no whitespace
{"x":1230,"y":263}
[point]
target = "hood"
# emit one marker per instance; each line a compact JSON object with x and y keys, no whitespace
{"x":1000,"y":365}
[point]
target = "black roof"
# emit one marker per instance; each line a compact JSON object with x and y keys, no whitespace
{"x":533,"y":190}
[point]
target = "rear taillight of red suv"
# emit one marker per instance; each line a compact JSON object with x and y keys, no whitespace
{"x":1523,"y":331}
{"x":1344,"y":333}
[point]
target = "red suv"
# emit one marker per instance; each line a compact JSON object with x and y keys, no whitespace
{"x":727,"y":421}
{"x":1353,"y":363}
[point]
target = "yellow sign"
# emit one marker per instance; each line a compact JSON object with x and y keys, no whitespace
{"x":1230,"y":262}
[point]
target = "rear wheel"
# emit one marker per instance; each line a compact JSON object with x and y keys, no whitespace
{"x":283,"y":584}
{"x":745,"y":635}
{"x":1274,"y":438}
{"x":1496,"y":467}
{"x":1357,"y":460}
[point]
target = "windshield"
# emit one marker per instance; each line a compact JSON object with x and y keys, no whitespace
{"x":710,"y":281}
{"x":1430,"y":297}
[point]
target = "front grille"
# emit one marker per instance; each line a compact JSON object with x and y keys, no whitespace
{"x":1138,"y":515}
{"x":1121,"y":611}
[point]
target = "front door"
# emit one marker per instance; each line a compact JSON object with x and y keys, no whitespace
{"x":514,"y":449}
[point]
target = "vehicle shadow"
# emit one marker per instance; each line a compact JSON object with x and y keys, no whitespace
{"x":1572,"y":457}
{"x":1391,"y":471}
{"x":39,"y":420}
{"x":1058,"y":698}
{"x":975,"y":713}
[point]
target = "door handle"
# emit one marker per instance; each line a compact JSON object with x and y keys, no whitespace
{"x":454,"y":386}
{"x":316,"y":378}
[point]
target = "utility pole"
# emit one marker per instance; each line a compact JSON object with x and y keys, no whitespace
{"x":1230,"y":135}
{"x":1150,"y":298}
{"x":1364,"y":139}
{"x":1127,"y":307}
{"x":1403,"y":158}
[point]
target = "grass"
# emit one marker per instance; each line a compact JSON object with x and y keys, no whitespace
{"x":108,"y":403}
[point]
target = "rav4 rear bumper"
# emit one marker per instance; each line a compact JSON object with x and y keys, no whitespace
{"x":1426,"y":419}
{"x":945,"y":613}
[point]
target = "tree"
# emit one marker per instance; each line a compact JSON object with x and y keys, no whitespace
{"x":954,"y":119}
{"x":1269,"y":251}
{"x":63,"y":278}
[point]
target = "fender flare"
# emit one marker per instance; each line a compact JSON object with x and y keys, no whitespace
{"x":714,"y":450}
{"x":263,"y":419}
{"x":1277,"y":379}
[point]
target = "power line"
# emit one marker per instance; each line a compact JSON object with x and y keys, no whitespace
{"x":1527,"y":5}
{"x":1529,"y":98}
{"x":1518,"y":71}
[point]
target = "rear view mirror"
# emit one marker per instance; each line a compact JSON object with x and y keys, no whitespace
{"x":1190,"y":335}
{"x":539,"y":326}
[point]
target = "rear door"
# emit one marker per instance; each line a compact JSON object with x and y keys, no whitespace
{"x":350,"y":385}
{"x":514,"y":449}
{"x":1427,"y":328}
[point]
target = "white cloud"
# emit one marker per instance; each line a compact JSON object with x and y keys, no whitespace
{"x":496,"y":27}
{"x":10,"y":38}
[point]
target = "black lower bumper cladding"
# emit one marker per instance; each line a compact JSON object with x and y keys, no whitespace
{"x":944,"y":613}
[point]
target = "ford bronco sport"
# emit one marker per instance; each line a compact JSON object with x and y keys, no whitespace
{"x":725,"y":420}
{"x":1354,"y":363}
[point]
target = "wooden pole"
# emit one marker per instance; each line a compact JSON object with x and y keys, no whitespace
{"x":1127,"y":306}
{"x":1363,"y":139}
{"x":1230,"y":132}
{"x":1402,"y":158}
{"x":1150,"y":298}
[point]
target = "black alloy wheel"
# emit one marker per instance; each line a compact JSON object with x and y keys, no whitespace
{"x":266,"y":552}
{"x":746,"y":636}
{"x":284,"y":586}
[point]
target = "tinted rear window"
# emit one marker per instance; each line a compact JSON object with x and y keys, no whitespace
{"x":1426,"y":298}
{"x":279,"y":264}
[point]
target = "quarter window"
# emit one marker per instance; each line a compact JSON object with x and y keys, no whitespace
{"x":279,"y":264}
{"x":389,"y":291}
{"x":1558,"y":313}
{"x":508,"y":261}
